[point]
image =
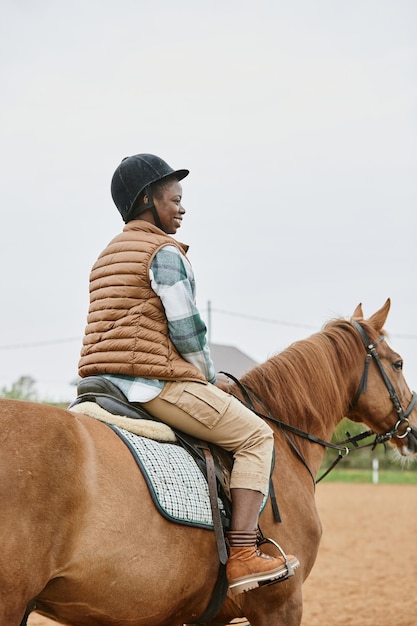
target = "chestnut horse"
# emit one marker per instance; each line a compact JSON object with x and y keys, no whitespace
{"x":81,"y":541}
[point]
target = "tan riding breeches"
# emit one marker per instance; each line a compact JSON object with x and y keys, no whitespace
{"x":208,"y":413}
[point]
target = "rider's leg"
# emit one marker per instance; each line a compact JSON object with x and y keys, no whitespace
{"x":245,"y":510}
{"x":206,"y":412}
{"x":247,"y":566}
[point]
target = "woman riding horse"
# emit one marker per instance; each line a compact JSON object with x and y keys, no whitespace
{"x":82,"y":542}
{"x":145,"y":335}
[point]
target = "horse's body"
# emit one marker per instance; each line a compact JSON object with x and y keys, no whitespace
{"x":82,"y":542}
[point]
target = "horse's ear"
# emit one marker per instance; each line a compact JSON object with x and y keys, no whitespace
{"x":379,"y":318}
{"x":357,"y":313}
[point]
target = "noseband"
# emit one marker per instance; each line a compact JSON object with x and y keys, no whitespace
{"x":371,"y":353}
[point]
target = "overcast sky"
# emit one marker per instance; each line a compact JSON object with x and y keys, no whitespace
{"x":297,"y":120}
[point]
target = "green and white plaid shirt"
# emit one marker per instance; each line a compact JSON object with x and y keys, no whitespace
{"x":172,"y":279}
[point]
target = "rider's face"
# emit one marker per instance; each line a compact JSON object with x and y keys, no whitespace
{"x":169,"y":207}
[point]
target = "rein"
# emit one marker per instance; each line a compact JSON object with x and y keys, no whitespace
{"x":379,"y":438}
{"x":343,"y":450}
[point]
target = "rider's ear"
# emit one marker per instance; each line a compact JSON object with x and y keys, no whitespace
{"x":378,"y":319}
{"x":357,"y":313}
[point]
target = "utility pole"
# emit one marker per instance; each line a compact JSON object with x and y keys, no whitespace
{"x":209,"y":321}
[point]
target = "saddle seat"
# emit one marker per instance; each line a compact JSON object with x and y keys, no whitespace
{"x":109,"y":397}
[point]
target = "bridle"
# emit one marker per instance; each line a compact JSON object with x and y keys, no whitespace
{"x":379,"y":438}
{"x":371,"y":353}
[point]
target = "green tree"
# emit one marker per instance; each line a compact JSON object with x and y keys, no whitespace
{"x":22,"y":389}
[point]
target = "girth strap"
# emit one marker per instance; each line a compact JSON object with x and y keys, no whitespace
{"x":214,"y":502}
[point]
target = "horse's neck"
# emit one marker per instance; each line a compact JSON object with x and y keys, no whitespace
{"x":308,"y":386}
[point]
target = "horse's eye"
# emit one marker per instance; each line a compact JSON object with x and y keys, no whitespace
{"x":398,"y":366}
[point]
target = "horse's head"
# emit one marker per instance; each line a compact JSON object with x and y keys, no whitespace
{"x":383,"y":399}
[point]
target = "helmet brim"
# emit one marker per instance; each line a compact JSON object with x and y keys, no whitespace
{"x":179,"y":174}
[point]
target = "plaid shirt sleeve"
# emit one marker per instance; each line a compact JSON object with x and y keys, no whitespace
{"x":172,"y":279}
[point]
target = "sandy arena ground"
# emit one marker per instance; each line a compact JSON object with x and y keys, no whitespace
{"x":366,"y":571}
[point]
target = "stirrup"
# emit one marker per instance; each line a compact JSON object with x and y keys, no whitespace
{"x":290,"y":568}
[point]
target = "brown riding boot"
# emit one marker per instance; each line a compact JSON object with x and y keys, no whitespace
{"x":247,"y":566}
